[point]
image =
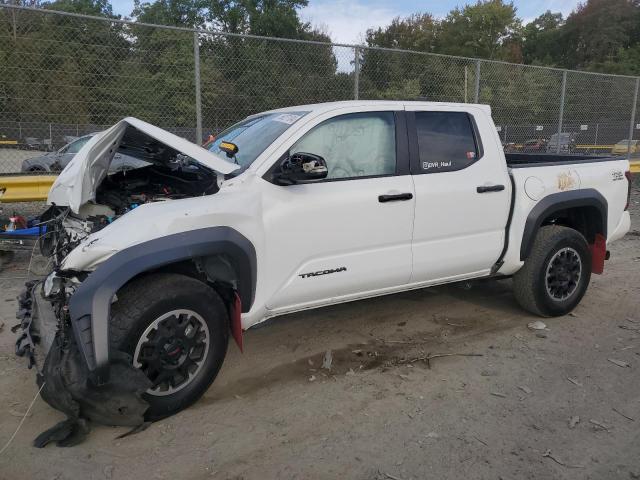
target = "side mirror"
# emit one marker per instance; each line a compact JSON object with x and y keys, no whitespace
{"x":302,"y":168}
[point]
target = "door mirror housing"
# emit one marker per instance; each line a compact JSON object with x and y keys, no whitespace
{"x":301,"y":168}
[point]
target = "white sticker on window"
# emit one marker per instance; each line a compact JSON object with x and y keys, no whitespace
{"x":288,"y":118}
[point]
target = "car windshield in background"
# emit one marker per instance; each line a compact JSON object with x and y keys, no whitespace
{"x":255,"y":134}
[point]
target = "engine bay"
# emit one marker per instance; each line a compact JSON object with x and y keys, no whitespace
{"x":118,"y":194}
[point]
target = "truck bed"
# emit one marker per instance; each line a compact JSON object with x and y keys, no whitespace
{"x":528,"y":160}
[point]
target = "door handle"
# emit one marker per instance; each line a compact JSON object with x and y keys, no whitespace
{"x":490,"y":188}
{"x":400,"y":197}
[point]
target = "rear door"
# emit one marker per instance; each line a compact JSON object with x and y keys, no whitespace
{"x":462,"y":193}
{"x":350,"y":233}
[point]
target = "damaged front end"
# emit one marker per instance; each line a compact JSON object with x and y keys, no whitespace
{"x":50,"y":342}
{"x":63,"y":329}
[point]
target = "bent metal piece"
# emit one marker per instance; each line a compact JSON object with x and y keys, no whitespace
{"x":66,"y":386}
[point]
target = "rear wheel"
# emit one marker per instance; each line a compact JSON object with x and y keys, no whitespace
{"x":176,"y":330}
{"x":556,"y":275}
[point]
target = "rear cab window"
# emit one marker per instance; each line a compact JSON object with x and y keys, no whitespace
{"x":446,"y":142}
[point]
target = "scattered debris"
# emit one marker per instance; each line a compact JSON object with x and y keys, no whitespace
{"x":631,"y":320}
{"x":498,"y":394}
{"x":327,"y":360}
{"x":537,"y":325}
{"x":482,"y":442}
{"x":312,"y":378}
{"x":350,"y":372}
{"x":430,"y":357}
{"x":627,"y":327}
{"x":525,"y":389}
{"x":619,"y":363}
{"x":489,"y":373}
{"x":574,"y":381}
{"x":391,"y":477}
{"x":601,"y":426}
{"x":541,"y":335}
{"x":548,"y":454}
{"x":622,"y":414}
{"x":456,"y":324}
{"x":573,"y":421}
{"x":432,"y":435}
{"x":108,"y":472}
{"x":573,"y":314}
{"x":310,"y":362}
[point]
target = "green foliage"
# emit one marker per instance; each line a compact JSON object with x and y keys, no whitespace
{"x":482,"y":30}
{"x":416,"y":32}
{"x":62,"y":69}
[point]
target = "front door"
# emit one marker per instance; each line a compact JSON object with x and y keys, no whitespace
{"x":350,"y":233}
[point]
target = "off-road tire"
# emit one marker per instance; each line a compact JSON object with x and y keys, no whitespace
{"x":529,"y":283}
{"x":145,"y":299}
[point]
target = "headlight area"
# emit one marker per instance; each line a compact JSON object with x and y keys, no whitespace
{"x":49,"y":338}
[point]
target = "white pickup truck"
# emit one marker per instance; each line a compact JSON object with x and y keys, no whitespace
{"x":288,"y":210}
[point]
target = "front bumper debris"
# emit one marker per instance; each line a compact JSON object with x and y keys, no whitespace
{"x":49,"y":344}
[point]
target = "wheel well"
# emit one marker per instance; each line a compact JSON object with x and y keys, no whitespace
{"x":216,"y":271}
{"x":587,"y":220}
{"x":583,"y":210}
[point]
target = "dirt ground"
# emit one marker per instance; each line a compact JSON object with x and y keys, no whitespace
{"x":380,"y":413}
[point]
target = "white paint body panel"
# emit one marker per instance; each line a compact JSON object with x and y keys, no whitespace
{"x":458,"y":231}
{"x":447,"y":232}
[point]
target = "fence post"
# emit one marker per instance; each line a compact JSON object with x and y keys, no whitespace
{"x":561,"y":116}
{"x":633,"y":118}
{"x":356,"y":73}
{"x":477,"y":95}
{"x":196,"y":60}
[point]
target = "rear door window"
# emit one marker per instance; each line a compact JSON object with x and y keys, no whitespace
{"x":446,"y":142}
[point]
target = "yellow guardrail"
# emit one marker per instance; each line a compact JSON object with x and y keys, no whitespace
{"x":594,"y":147}
{"x":25,"y":188}
{"x":635,"y":166}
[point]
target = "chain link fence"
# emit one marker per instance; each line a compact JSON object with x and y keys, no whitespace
{"x":63,"y":76}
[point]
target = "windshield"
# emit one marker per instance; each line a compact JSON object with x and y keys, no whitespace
{"x":253,"y":135}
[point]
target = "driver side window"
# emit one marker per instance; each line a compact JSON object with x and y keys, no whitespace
{"x":353,"y":145}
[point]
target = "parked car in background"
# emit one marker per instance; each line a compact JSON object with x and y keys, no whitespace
{"x":567,"y":143}
{"x":535,"y":145}
{"x":509,"y":147}
{"x":623,"y":147}
{"x":56,"y":161}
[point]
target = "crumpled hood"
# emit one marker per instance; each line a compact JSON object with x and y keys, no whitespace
{"x":77,"y":183}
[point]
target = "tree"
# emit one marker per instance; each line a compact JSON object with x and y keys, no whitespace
{"x":416,"y":32}
{"x":482,"y":30}
{"x":542,"y":39}
{"x":58,"y":68}
{"x":597,"y":30}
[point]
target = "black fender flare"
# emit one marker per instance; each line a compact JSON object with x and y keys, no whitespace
{"x":556,"y":202}
{"x":90,"y":305}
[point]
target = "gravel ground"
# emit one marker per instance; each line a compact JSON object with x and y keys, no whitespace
{"x":554,"y":404}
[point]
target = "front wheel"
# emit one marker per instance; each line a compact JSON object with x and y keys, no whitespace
{"x":556,"y":275}
{"x":176,"y":330}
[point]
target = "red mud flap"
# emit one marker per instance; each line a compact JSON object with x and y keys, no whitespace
{"x":236,"y":322}
{"x":598,"y":254}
